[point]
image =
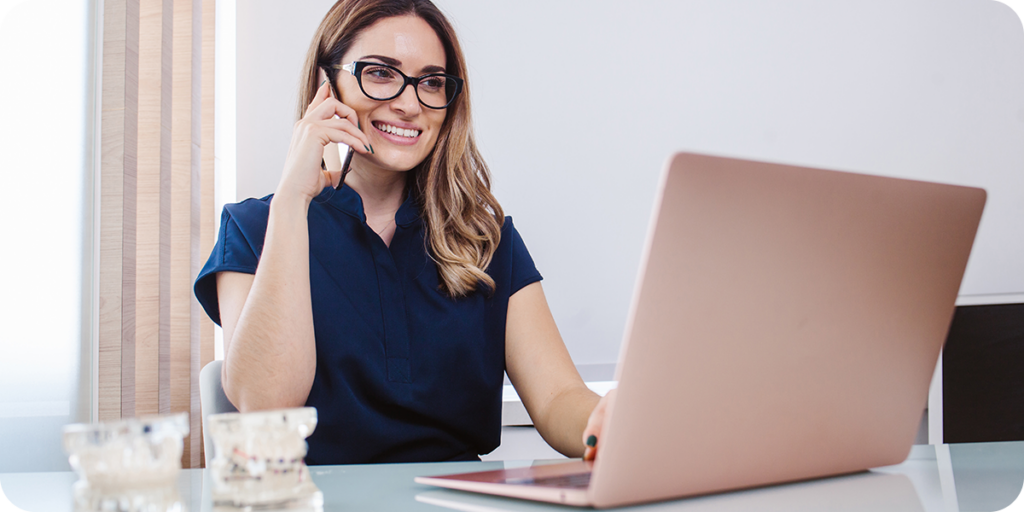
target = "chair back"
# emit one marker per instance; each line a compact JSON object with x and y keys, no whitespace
{"x":212,"y":400}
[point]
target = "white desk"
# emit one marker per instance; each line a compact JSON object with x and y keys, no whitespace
{"x":947,"y":478}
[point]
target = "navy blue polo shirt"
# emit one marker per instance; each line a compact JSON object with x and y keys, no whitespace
{"x":404,"y":373}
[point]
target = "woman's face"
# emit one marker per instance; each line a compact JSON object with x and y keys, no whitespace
{"x":409,"y":44}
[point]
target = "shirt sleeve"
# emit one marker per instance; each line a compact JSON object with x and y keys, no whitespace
{"x":524,"y":271}
{"x":243,"y":227}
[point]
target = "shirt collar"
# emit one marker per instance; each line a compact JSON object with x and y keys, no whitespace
{"x":407,"y":214}
{"x":348,"y":201}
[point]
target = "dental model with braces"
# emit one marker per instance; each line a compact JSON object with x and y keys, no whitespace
{"x":258,"y":458}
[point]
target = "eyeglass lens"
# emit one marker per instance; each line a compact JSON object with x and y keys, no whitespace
{"x":385,"y":82}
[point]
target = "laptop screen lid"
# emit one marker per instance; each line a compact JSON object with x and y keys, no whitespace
{"x":785,"y":325}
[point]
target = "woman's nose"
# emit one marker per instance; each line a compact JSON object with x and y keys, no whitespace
{"x":407,"y":102}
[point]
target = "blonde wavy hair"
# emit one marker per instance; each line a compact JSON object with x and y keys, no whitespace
{"x":452,"y":186}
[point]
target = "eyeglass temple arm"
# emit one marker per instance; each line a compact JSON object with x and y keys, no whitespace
{"x":350,"y":67}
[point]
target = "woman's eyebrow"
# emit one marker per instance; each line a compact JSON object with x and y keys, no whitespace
{"x":397,"y":63}
{"x":386,"y":60}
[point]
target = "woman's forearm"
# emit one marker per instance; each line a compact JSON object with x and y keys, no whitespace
{"x":270,"y":359}
{"x":562,"y":422}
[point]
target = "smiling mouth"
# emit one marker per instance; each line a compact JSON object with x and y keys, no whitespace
{"x":394,"y":130}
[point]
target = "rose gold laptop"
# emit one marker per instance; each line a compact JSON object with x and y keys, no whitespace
{"x":785,"y":326}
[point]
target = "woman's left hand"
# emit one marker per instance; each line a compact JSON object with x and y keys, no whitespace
{"x":592,"y":434}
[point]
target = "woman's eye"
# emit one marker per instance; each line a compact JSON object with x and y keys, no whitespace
{"x":434,"y":83}
{"x":379,"y":74}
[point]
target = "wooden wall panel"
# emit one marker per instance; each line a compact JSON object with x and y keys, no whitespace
{"x":207,"y":215}
{"x":185,"y":112}
{"x":118,"y":145}
{"x":166,"y":104}
{"x":157,"y":118}
{"x":153,"y":214}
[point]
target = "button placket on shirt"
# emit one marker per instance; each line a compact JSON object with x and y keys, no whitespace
{"x":392,"y":308}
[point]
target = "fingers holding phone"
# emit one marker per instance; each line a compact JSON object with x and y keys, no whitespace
{"x":332,"y":159}
{"x":325,"y":121}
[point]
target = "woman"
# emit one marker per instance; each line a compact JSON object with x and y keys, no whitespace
{"x":393,"y":303}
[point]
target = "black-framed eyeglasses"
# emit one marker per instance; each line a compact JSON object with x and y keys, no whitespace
{"x":382,"y":82}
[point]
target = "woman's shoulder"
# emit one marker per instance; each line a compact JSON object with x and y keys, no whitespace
{"x":251,"y":207}
{"x":249,"y":216}
{"x":245,"y":223}
{"x":509,"y":235}
{"x":513,"y":259}
{"x":508,"y":227}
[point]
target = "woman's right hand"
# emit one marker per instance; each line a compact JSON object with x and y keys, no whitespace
{"x":595,"y":424}
{"x":326,"y":120}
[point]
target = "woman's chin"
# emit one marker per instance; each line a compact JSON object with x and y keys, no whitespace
{"x":395,"y":163}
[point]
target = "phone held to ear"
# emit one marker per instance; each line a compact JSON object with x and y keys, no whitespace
{"x":345,"y":167}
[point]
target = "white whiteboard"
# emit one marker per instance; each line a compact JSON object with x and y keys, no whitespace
{"x":926,"y":89}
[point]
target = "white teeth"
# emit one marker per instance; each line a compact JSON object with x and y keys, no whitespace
{"x":401,"y":132}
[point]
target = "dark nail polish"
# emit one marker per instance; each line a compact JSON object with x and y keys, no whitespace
{"x":366,"y":148}
{"x":592,"y":441}
{"x":372,"y":152}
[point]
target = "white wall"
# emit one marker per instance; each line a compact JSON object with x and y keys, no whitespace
{"x":46,"y":116}
{"x":578,"y":104}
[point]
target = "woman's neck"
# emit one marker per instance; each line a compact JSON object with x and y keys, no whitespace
{"x":382,"y":193}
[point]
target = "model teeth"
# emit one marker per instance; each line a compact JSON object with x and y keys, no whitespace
{"x":401,"y":132}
